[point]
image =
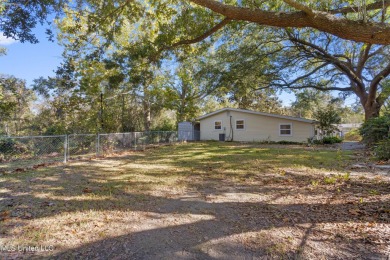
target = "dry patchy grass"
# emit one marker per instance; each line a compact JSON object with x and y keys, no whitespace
{"x":199,"y":200}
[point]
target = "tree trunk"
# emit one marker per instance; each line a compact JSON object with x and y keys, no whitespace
{"x":180,"y":114}
{"x":146,"y":106}
{"x":371,"y":110}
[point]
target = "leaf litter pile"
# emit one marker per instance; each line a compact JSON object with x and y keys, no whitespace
{"x":199,"y":201}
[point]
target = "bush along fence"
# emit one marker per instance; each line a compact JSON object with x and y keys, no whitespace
{"x":34,"y":151}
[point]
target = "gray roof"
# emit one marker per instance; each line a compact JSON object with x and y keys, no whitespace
{"x":257,"y":113}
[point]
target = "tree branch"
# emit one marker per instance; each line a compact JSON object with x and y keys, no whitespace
{"x":377,"y":51}
{"x":382,"y":97}
{"x":200,"y":38}
{"x":363,"y":57}
{"x":374,"y":33}
{"x":323,"y":89}
{"x":376,"y":80}
{"x":194,"y":40}
{"x":309,"y":86}
{"x":309,"y":74}
{"x":299,"y":6}
{"x":321,"y":53}
{"x":345,"y":57}
{"x":352,"y":9}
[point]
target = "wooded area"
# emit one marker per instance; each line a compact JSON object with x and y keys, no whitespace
{"x":129,"y":66}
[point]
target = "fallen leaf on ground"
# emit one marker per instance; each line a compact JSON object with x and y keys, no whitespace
{"x":87,"y":190}
{"x":355,"y":212}
{"x":4,"y":215}
{"x":27,"y":215}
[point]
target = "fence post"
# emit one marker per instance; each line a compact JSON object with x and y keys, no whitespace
{"x":68,"y":141}
{"x":136,"y":140}
{"x":65,"y":148}
{"x":145,"y":141}
{"x":98,"y":145}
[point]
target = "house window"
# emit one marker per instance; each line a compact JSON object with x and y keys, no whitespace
{"x":285,"y":129}
{"x":218,"y":125}
{"x":240,"y":124}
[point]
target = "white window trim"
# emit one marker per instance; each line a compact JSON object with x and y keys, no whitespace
{"x":291,"y":129}
{"x":240,"y":129}
{"x":221,"y":125}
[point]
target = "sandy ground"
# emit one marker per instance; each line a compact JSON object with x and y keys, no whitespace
{"x":161,"y":205}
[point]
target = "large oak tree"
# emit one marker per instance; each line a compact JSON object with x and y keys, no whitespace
{"x":361,"y":21}
{"x":157,"y":28}
{"x":326,"y":63}
{"x":311,"y":52}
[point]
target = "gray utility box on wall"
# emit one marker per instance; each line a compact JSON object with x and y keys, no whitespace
{"x":188,"y":131}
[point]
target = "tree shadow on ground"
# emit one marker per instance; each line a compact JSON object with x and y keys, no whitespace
{"x":219,"y":217}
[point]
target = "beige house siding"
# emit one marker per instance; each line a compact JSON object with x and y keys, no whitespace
{"x":257,"y":128}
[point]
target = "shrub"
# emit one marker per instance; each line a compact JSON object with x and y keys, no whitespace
{"x":327,"y":140}
{"x":315,"y":141}
{"x":288,"y":142}
{"x":375,"y":130}
{"x":10,"y":146}
{"x":6,"y":145}
{"x":376,"y":134}
{"x":331,"y":140}
{"x":382,"y":150}
{"x":327,"y":119}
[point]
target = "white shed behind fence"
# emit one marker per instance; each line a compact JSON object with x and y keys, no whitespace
{"x":188,"y":131}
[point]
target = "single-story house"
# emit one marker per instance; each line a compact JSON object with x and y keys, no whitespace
{"x":231,"y":124}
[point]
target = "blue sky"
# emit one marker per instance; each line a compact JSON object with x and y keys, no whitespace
{"x":30,"y":61}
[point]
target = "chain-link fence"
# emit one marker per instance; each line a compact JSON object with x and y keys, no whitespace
{"x":30,"y":151}
{"x":110,"y":143}
{"x":33,"y":151}
{"x":81,"y":146}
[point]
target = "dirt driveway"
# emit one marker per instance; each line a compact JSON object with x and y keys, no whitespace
{"x":352,"y":146}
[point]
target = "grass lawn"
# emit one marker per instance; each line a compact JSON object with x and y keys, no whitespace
{"x":198,"y":201}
